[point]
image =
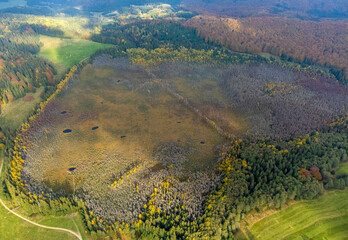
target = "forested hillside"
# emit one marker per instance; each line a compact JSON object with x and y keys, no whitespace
{"x":302,"y":9}
{"x":150,"y":35}
{"x":322,"y":43}
{"x":20,"y":70}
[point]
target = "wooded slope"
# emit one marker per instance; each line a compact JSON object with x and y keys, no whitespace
{"x":320,"y":42}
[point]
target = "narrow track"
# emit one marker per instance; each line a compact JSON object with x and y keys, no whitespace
{"x":77,"y":235}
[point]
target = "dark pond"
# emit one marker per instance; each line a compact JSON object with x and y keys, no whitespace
{"x":72,"y":169}
{"x":101,"y":102}
{"x":202,"y":142}
{"x":94,"y":128}
{"x":64,"y":112}
{"x":67,"y":131}
{"x":123,"y":137}
{"x":179,"y":122}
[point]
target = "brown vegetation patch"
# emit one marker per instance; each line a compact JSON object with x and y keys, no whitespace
{"x":28,"y":98}
{"x":154,"y":142}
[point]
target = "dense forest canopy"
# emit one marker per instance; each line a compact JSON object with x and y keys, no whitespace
{"x":303,"y":9}
{"x":325,"y":42}
{"x":20,"y":70}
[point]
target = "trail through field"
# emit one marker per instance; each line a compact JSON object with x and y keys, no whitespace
{"x":77,"y":235}
{"x":187,"y":103}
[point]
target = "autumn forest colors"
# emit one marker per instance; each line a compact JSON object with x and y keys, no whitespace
{"x":191,"y":119}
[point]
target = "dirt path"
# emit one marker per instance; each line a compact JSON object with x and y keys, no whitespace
{"x":77,"y":235}
{"x":187,"y":103}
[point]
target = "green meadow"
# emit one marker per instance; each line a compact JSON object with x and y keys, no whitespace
{"x":64,"y":53}
{"x":324,"y":218}
{"x":12,"y":227}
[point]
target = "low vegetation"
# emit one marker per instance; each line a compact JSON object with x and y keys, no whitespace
{"x":326,"y":217}
{"x":15,"y":113}
{"x":12,"y":227}
{"x":65,"y":53}
{"x":131,"y":115}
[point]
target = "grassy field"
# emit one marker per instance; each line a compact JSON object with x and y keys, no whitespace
{"x":13,"y":114}
{"x":67,"y":52}
{"x":12,"y":227}
{"x":342,"y":170}
{"x":325,"y":218}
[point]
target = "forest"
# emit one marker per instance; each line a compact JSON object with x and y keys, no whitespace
{"x":20,"y":70}
{"x":272,"y":120}
{"x":325,"y":41}
{"x":302,"y":9}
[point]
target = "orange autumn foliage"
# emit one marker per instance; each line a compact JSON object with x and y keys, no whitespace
{"x":323,"y":42}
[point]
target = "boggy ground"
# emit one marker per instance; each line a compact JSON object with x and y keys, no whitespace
{"x":263,"y":100}
{"x":141,"y":128}
{"x":132,"y":132}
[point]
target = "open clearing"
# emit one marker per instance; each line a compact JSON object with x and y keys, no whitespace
{"x":64,"y":52}
{"x":325,"y":218}
{"x":14,"y":113}
{"x":111,"y":120}
{"x":12,"y":227}
{"x":342,"y":170}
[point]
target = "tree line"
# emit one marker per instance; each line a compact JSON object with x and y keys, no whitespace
{"x":21,"y":71}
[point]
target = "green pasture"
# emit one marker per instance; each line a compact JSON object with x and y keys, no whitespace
{"x":64,"y":53}
{"x":12,"y":227}
{"x":324,"y":218}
